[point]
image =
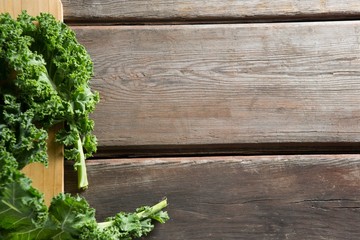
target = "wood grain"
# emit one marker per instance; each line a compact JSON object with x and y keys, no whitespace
{"x":33,"y":7}
{"x":217,"y":85}
{"x":50,"y":180}
{"x":205,"y":10}
{"x":250,"y":197}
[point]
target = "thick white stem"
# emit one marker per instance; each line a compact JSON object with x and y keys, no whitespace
{"x":81,"y":167}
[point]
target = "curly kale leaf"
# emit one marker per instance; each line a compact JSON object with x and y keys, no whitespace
{"x":21,"y":206}
{"x":70,"y":68}
{"x":18,"y":133}
{"x":127,"y":226}
{"x":45,"y":68}
{"x":24,"y":216}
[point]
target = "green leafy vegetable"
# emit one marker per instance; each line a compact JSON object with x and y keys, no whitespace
{"x":127,"y":225}
{"x":48,"y":72}
{"x":23,"y":215}
{"x":44,"y":80}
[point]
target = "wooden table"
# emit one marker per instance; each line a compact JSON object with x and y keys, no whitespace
{"x":245,"y":114}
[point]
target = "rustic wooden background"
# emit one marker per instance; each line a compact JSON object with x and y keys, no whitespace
{"x":244,"y":114}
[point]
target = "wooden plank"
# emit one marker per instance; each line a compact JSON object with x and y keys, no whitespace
{"x":250,"y":197}
{"x":189,"y":10}
{"x":50,"y":180}
{"x":216,"y":85}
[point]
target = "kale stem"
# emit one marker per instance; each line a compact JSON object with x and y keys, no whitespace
{"x":103,"y":225}
{"x":154,"y":209}
{"x":142,"y":215}
{"x":81,"y":167}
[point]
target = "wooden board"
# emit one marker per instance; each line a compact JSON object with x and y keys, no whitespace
{"x":226,"y":85}
{"x":247,"y":197}
{"x":33,"y":7}
{"x":49,"y":181}
{"x":207,"y":10}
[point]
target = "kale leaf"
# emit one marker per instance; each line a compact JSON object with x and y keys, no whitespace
{"x":48,"y":72}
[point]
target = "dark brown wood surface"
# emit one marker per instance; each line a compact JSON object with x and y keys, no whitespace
{"x":251,"y":197}
{"x":215,"y":85}
{"x":205,"y":10}
{"x":226,"y":89}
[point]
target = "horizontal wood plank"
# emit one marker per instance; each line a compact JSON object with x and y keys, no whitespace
{"x":250,"y":197}
{"x":203,"y":10}
{"x":217,"y":85}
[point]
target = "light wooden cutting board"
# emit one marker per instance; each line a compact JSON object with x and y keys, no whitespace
{"x":49,"y":181}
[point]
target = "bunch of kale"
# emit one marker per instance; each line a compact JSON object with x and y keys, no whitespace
{"x":44,"y":81}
